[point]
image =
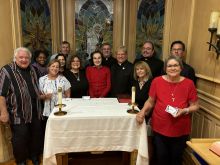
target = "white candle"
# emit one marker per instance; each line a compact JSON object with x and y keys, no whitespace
{"x":214,"y":19}
{"x":133,"y":95}
{"x":60,"y":96}
{"x":218,"y":29}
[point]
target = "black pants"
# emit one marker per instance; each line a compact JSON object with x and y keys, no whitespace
{"x":169,"y":150}
{"x":27,"y":140}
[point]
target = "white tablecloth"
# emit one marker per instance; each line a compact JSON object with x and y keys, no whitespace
{"x":94,"y":125}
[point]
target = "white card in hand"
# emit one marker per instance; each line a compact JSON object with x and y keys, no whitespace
{"x":173,"y":111}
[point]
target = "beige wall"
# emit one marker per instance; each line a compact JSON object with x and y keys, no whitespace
{"x":6,"y":42}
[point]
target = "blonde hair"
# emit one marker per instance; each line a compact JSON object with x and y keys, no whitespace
{"x":121,"y":48}
{"x":52,"y":62}
{"x":143,"y":65}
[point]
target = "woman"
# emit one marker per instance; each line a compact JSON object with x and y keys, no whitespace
{"x":142,"y":77}
{"x":170,"y":131}
{"x":40,"y":58}
{"x":62,"y":59}
{"x":77,"y":78}
{"x":98,"y":76}
{"x":49,"y":84}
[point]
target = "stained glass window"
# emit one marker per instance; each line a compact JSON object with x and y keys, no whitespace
{"x":93,"y":24}
{"x":150,"y":23}
{"x":36,"y":26}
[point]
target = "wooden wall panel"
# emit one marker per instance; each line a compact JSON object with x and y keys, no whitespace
{"x":207,"y":128}
{"x":197,"y":124}
{"x":205,"y":63}
{"x":205,"y":125}
{"x":118,"y":24}
{"x":217,"y":130}
{"x":6,"y":39}
{"x":177,"y":25}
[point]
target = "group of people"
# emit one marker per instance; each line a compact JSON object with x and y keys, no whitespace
{"x":28,"y":93}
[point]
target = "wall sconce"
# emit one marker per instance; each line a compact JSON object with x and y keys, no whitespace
{"x":214,"y":28}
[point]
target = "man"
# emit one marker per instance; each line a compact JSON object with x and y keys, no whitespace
{"x":64,"y":49}
{"x":108,"y":60}
{"x":148,"y":55}
{"x":177,"y":48}
{"x":122,"y":74}
{"x":19,"y":103}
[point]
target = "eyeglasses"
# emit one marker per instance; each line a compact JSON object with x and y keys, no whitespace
{"x":175,"y":65}
{"x":179,"y":49}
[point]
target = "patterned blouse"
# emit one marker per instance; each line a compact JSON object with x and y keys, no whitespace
{"x":51,"y":86}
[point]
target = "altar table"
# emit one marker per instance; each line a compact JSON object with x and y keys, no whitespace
{"x":99,"y":124}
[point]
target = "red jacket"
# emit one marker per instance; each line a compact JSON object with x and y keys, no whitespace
{"x":99,"y":81}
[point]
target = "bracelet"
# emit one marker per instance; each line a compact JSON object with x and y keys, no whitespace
{"x":187,"y":111}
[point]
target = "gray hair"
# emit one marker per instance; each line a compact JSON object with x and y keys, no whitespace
{"x":121,"y":48}
{"x":21,"y":49}
{"x":172,"y":57}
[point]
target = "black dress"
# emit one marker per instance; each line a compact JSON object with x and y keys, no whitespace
{"x":141,"y":95}
{"x":79,"y":83}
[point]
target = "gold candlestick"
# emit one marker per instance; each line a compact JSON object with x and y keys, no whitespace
{"x":132,"y":110}
{"x":60,"y":105}
{"x":133,"y":104}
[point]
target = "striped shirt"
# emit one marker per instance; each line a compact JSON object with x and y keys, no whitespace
{"x":17,"y":90}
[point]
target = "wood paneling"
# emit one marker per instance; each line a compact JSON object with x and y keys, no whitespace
{"x":207,"y":127}
{"x":177,"y":24}
{"x":6,"y":37}
{"x":197,"y":124}
{"x":131,"y":12}
{"x":118,"y":24}
{"x":217,"y":130}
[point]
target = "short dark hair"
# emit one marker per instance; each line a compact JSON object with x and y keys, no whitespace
{"x":178,"y":42}
{"x":60,"y":54}
{"x":65,"y":42}
{"x":106,"y":43}
{"x":150,"y":42}
{"x":38,"y":52}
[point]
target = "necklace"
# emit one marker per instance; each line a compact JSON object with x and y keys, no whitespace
{"x":173,"y":91}
{"x":142,"y":81}
{"x":76,"y":74}
{"x":173,"y":86}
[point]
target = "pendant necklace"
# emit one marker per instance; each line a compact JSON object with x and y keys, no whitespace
{"x":76,"y":75}
{"x":173,"y":92}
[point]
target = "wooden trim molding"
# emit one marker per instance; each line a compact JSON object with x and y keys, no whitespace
{"x":167,"y":27}
{"x":118,"y":24}
{"x":131,"y":23}
{"x":210,"y":112}
{"x":209,"y":103}
{"x":211,"y":79}
{"x":55,"y":28}
{"x":209,"y":96}
{"x":16,"y":23}
{"x":190,"y":31}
